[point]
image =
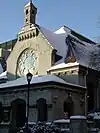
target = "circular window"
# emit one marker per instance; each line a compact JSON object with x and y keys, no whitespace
{"x":27,"y":62}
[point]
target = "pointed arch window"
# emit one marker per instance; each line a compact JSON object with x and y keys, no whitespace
{"x":26,"y":11}
{"x":68,"y":107}
{"x":18,"y":112}
{"x":42,"y":109}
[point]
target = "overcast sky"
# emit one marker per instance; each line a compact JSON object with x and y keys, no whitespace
{"x":80,"y":15}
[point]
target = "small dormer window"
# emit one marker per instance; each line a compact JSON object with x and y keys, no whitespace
{"x":26,"y":11}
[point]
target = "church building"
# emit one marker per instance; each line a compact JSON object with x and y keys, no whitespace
{"x":65,"y":67}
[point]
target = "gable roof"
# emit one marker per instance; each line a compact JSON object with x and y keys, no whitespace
{"x":86,"y":54}
{"x":84,"y":51}
{"x":8,"y":44}
{"x":57,"y":41}
{"x":72,"y":33}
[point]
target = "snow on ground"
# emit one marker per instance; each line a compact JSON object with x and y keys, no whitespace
{"x":62,"y":121}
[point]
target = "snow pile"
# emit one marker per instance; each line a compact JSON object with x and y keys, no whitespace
{"x":40,"y":127}
{"x":62,"y":121}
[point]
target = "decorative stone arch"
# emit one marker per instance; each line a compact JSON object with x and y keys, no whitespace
{"x":68,"y":106}
{"x":18,"y":112}
{"x":42,"y":109}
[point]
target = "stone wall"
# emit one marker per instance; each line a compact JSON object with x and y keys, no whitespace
{"x":54,"y":99}
{"x":39,"y":45}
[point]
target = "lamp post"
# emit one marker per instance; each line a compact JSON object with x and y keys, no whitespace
{"x":29,"y":78}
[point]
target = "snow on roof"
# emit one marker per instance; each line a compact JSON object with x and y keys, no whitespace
{"x":60,"y":31}
{"x":63,"y":65}
{"x":95,"y":58}
{"x":23,"y":81}
{"x":85,"y":51}
{"x":68,"y":31}
{"x":57,"y":41}
{"x":36,"y":80}
{"x":86,"y":54}
{"x":82,"y":52}
{"x":63,"y":30}
{"x":3,"y":75}
{"x":28,"y":4}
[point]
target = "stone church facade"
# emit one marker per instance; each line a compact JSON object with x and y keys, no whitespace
{"x":65,"y":69}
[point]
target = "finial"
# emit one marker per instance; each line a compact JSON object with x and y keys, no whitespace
{"x":30,"y":1}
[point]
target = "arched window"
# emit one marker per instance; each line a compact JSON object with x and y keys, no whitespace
{"x":18,"y":114}
{"x":42,"y":109}
{"x":68,"y":107}
{"x":26,"y":11}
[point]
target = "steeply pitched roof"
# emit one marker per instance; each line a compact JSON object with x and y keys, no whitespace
{"x":83,"y":50}
{"x":72,"y":33}
{"x":57,"y":41}
{"x":86,"y":54}
{"x":8,"y":44}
